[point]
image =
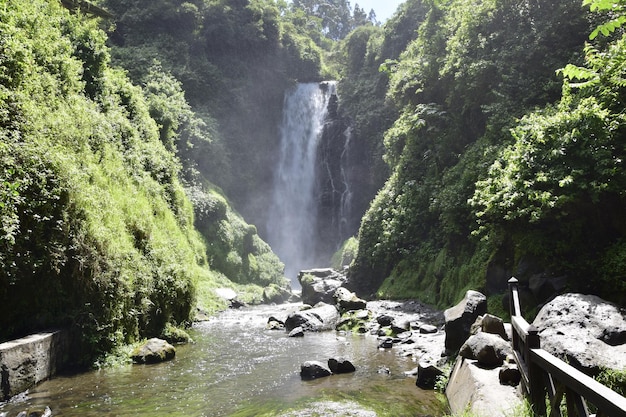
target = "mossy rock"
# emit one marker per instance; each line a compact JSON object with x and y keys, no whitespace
{"x":175,"y":335}
{"x":153,"y":351}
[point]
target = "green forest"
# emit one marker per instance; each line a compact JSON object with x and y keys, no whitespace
{"x":137,"y":140}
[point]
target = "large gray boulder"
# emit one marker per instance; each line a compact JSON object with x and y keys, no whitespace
{"x":459,"y":319}
{"x":427,"y":374}
{"x":587,"y":331}
{"x":319,"y":285}
{"x":153,"y":351}
{"x":346,"y":300}
{"x":490,"y":350}
{"x":477,"y":390}
{"x":321,"y":317}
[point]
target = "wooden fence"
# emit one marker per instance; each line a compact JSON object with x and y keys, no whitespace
{"x":545,"y":376}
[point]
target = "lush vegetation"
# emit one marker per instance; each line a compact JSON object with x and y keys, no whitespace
{"x":97,"y":229}
{"x":498,"y":166}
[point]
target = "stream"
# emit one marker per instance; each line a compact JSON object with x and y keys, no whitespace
{"x":237,"y":368}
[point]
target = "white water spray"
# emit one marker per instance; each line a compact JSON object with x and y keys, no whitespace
{"x":292,"y":217}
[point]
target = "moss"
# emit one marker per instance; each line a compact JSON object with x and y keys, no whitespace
{"x":175,"y":335}
{"x":354,"y":321}
{"x":346,"y":254}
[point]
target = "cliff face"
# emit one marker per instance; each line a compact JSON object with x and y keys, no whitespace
{"x":333,"y":186}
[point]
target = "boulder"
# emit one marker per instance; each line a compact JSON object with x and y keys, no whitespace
{"x":546,"y":287}
{"x":297,"y":332}
{"x":340,"y":366}
{"x":313,"y":370}
{"x":319,"y":285}
{"x":585,"y":330}
{"x":427,"y":374}
{"x":346,"y":300}
{"x":275,"y":324}
{"x":477,"y":391}
{"x":274,"y":294}
{"x":384,"y":320}
{"x":494,"y":325}
{"x":319,"y":318}
{"x":386,"y":343}
{"x":427,"y":329}
{"x":153,"y":351}
{"x":509,"y":374}
{"x":460,"y":318}
{"x":488,"y":349}
{"x":354,"y":321}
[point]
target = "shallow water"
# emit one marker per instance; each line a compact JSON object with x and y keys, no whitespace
{"x":237,"y":368}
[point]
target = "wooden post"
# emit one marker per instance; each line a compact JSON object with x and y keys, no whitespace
{"x":536,"y":384}
{"x":512,"y":301}
{"x":514,"y":307}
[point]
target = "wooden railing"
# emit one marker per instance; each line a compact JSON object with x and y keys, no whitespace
{"x":546,"y":376}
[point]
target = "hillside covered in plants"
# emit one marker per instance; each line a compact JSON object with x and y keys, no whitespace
{"x":507,"y":155}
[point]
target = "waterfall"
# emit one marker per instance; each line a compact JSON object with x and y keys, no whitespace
{"x":292,"y":218}
{"x":345,"y":205}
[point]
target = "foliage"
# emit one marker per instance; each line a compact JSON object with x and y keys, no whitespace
{"x":233,"y":60}
{"x":96,"y":230}
{"x":614,"y":379}
{"x":563,"y":176}
{"x":346,"y":254}
{"x":473,"y":68}
{"x":334,"y":17}
{"x":233,"y":247}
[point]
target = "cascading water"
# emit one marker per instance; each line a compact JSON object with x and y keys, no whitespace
{"x":292,"y":217}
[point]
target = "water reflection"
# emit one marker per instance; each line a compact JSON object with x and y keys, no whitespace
{"x":236,"y":367}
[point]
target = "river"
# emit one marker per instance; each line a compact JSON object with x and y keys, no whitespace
{"x":237,"y":368}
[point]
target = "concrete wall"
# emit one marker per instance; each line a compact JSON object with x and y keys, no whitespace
{"x":27,"y":361}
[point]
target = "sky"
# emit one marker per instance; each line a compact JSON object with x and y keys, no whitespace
{"x":383,"y":8}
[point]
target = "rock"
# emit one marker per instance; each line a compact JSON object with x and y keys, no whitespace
{"x":313,"y":369}
{"x":386,"y":343}
{"x":427,"y":374}
{"x":488,"y":349}
{"x":427,"y":329}
{"x":346,"y":300}
{"x":477,"y":391}
{"x":384,"y":370}
{"x":460,"y":318}
{"x":354,"y":321}
{"x":494,"y":325}
{"x":509,"y":374}
{"x":175,"y":335}
{"x":545,"y":287}
{"x":319,"y":318}
{"x":340,"y":366}
{"x":235,"y":304}
{"x":297,"y":332}
{"x":153,"y":351}
{"x":384,"y":320}
{"x":274,"y":324}
{"x":319,"y":285}
{"x":399,"y":325}
{"x":585,"y":330}
{"x":274,"y":294}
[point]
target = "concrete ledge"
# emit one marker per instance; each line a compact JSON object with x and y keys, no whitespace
{"x":478,"y":390}
{"x":27,"y":361}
